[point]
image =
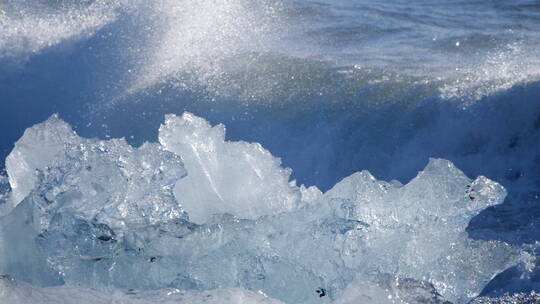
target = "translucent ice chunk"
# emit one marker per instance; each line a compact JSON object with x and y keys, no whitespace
{"x":418,"y":230}
{"x":240,"y":178}
{"x":102,"y":214}
{"x":12,"y":291}
{"x":109,"y":182}
{"x":327,"y":244}
{"x":20,"y":255}
{"x":35,"y":150}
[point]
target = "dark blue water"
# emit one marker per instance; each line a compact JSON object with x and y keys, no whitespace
{"x":331,"y":87}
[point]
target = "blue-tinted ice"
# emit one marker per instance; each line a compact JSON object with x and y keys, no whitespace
{"x":195,"y":212}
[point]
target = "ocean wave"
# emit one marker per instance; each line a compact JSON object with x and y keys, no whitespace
{"x":202,"y":43}
{"x":498,"y":71}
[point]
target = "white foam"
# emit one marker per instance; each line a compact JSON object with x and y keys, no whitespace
{"x":513,"y":65}
{"x":194,"y":40}
{"x":28,"y":29}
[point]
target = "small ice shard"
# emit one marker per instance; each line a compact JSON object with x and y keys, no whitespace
{"x":5,"y":192}
{"x":310,"y":194}
{"x":240,"y":178}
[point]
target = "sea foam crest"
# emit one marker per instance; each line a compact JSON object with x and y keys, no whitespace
{"x":31,"y":26}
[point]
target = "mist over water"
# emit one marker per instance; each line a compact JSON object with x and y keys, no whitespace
{"x":330,"y":87}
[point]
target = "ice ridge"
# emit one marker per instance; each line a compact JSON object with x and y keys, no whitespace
{"x":195,"y":212}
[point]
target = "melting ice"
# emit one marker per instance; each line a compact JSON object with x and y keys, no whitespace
{"x":195,"y":218}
